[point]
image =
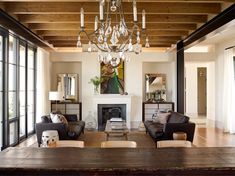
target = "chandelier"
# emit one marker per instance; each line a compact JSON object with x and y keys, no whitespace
{"x":112,"y":36}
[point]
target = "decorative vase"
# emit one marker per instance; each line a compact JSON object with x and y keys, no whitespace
{"x":96,"y":89}
{"x":90,"y":122}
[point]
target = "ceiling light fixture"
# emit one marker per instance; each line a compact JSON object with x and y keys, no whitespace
{"x":111,"y":35}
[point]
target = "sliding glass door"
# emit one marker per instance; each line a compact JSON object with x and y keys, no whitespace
{"x":1,"y":91}
{"x":22,"y":90}
{"x":17,"y":89}
{"x":13,"y":119}
{"x":31,"y":91}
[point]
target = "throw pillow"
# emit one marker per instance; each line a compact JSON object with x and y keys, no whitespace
{"x":162,"y":118}
{"x":58,"y":118}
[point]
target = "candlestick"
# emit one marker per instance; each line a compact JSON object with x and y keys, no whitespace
{"x":143,"y":20}
{"x":101,"y":12}
{"x":82,"y":17}
{"x":135,"y":11}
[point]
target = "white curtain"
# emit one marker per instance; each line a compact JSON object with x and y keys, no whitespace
{"x":228,"y":104}
{"x":43,"y":83}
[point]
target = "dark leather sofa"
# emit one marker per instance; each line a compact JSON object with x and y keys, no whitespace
{"x":66,"y":132}
{"x":176,"y":123}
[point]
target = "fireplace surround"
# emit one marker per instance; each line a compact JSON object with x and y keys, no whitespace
{"x":108,"y":111}
{"x":114,"y":99}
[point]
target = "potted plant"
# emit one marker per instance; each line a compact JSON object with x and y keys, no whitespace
{"x":96,"y":81}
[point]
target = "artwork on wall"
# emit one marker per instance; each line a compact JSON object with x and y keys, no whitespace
{"x":113,"y":78}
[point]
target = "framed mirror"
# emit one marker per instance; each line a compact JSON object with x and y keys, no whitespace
{"x":67,"y":83}
{"x":155,"y":87}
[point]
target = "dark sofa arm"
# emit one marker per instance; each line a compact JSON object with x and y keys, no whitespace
{"x":60,"y":127}
{"x":188,"y":128}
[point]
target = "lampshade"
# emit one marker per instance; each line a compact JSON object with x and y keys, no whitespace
{"x":54,"y":95}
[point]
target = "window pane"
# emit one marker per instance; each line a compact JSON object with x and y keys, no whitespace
{"x":30,"y":97}
{"x":30,"y":79}
{"x":22,"y":103}
{"x":30,"y":58}
{"x":22,"y":125}
{"x":12,"y":77}
{"x":22,"y":55}
{"x":30,"y":123}
{"x":22,"y":78}
{"x":1,"y":69}
{"x":12,"y":105}
{"x":13,"y":133}
{"x":1,"y":127}
{"x":1,"y":46}
{"x":12,"y":49}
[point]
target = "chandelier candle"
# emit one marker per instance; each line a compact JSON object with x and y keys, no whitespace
{"x":82,"y":17}
{"x":134,"y":11}
{"x":101,"y":11}
{"x":143,"y":20}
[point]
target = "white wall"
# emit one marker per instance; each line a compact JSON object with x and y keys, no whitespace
{"x":43,"y":83}
{"x":133,"y":77}
{"x":191,"y":87}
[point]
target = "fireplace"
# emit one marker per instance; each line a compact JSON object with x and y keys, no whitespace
{"x":108,"y":111}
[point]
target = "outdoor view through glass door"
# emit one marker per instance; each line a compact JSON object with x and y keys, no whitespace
{"x":1,"y":92}
{"x":12,"y":91}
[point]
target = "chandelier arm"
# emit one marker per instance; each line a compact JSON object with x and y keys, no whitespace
{"x":130,"y":37}
{"x":89,"y":38}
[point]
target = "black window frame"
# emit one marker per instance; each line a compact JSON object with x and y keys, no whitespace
{"x":5,"y":99}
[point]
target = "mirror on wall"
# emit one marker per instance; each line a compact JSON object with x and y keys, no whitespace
{"x":67,"y":83}
{"x":155,"y":87}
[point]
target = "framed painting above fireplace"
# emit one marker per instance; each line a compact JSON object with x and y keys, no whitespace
{"x":113,"y":78}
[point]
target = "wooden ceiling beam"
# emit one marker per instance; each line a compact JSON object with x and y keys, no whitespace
{"x":90,"y":26}
{"x":72,"y":45}
{"x":74,"y":38}
{"x":75,"y":18}
{"x":75,"y":33}
{"x":187,"y":1}
{"x":93,"y":7}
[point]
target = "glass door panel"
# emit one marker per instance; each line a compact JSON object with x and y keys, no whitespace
{"x":1,"y":92}
{"x":30,"y":92}
{"x":13,"y":133}
{"x":13,"y":117}
{"x":22,"y":90}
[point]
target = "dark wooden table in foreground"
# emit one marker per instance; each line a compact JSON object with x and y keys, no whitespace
{"x":92,"y":161}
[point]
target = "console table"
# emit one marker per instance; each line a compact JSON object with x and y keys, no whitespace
{"x":150,"y":108}
{"x":118,"y":161}
{"x":68,"y":108}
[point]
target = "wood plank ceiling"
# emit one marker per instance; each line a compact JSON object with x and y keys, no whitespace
{"x":58,"y":21}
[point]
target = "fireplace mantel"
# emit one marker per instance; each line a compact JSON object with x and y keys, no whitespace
{"x":114,"y":99}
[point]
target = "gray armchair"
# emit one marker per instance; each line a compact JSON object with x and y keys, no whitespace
{"x":66,"y":132}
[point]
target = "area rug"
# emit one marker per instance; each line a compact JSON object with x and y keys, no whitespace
{"x":93,"y":139}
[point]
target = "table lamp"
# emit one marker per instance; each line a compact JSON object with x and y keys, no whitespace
{"x":55,"y":96}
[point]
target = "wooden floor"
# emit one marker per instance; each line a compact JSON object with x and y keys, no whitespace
{"x":204,"y":137}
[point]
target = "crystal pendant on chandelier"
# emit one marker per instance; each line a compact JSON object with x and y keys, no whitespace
{"x":113,"y":8}
{"x":89,"y":49}
{"x":114,"y":39}
{"x":100,"y":58}
{"x":138,"y":48}
{"x":147,"y":45}
{"x":111,"y":36}
{"x":115,"y":61}
{"x":130,"y":46}
{"x":79,"y":43}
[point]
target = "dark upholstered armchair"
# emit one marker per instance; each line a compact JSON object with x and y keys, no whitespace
{"x":176,"y":123}
{"x":66,"y":132}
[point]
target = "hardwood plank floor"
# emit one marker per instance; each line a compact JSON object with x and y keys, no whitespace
{"x":204,"y":137}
